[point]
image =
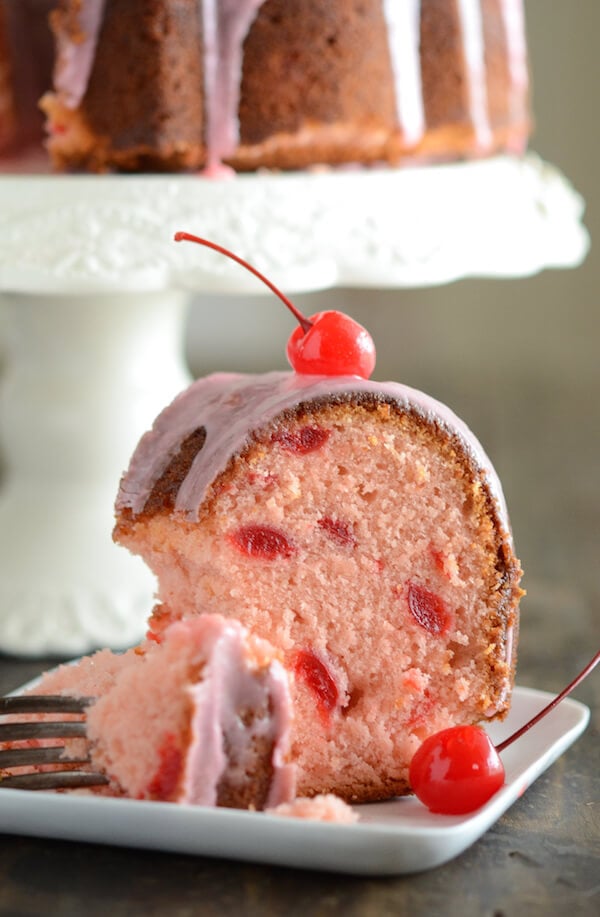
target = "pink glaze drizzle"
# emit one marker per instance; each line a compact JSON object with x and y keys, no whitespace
{"x":231,"y":406}
{"x":514,"y":26}
{"x":516,"y":49}
{"x":75,"y":59}
{"x":229,"y":685}
{"x":404,"y":36}
{"x":474,"y":51}
{"x":226,"y":24}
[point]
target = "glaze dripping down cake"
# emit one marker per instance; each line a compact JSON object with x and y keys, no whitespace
{"x":361,"y":530}
{"x":173,"y":85}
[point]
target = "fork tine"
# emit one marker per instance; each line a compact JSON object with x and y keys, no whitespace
{"x":15,"y":732}
{"x":43,"y":703}
{"x":53,"y":780}
{"x":21,"y":757}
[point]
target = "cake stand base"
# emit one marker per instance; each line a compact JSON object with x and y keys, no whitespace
{"x":84,"y":377}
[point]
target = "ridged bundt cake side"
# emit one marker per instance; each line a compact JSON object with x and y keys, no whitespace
{"x":173,"y":84}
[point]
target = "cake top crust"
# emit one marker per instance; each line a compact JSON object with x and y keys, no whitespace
{"x":230,"y":408}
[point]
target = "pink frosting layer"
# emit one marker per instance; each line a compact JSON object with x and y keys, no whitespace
{"x":75,"y":59}
{"x":231,"y":406}
{"x":228,"y":684}
{"x":226,"y":25}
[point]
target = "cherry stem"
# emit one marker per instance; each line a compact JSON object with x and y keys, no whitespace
{"x":304,"y":322}
{"x":516,"y":735}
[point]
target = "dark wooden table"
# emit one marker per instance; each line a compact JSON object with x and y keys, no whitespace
{"x":543,"y":856}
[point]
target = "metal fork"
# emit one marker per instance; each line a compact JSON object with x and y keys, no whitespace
{"x":15,"y":732}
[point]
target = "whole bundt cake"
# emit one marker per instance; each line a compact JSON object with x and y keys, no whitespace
{"x":177,"y":84}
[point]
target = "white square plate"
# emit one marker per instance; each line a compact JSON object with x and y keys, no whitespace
{"x":391,"y":838}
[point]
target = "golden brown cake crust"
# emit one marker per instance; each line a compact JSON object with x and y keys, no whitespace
{"x":325,"y":59}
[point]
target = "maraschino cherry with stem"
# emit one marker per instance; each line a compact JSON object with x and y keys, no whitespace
{"x":457,"y":770}
{"x":326,"y":344}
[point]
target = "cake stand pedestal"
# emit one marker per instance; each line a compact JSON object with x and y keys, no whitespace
{"x":84,"y":376}
{"x":94,"y":296}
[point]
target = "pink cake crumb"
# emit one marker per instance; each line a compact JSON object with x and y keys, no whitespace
{"x":91,"y":676}
{"x":325,"y":807}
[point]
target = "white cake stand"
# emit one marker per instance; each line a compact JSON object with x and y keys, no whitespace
{"x":94,"y":295}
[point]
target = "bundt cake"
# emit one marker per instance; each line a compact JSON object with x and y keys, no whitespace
{"x":202,"y":718}
{"x":168,"y":85}
{"x":360,"y":529}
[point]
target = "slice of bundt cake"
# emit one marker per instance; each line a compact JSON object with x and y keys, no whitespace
{"x":359,"y":528}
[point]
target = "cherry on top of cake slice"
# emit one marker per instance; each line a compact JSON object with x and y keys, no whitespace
{"x":328,"y":343}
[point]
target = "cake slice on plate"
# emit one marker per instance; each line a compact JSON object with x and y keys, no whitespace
{"x":360,"y":529}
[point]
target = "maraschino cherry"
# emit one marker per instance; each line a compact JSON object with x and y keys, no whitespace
{"x":459,"y":769}
{"x":326,"y":344}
